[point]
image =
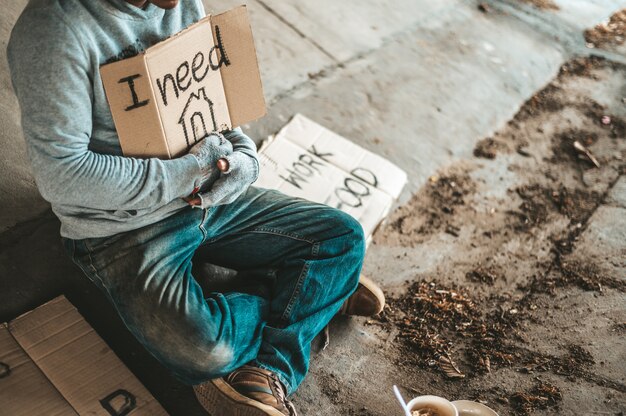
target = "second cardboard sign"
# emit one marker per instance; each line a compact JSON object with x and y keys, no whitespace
{"x":309,"y":161}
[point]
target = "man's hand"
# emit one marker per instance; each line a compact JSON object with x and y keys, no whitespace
{"x":239,"y":171}
{"x":208,"y":151}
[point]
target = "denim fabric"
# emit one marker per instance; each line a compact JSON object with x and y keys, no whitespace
{"x":310,"y":253}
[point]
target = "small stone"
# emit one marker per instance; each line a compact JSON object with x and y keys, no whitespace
{"x":483,"y":7}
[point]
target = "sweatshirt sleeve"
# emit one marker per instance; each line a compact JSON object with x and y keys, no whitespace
{"x":50,"y":71}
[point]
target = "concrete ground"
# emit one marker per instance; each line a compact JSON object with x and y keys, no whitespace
{"x":499,"y":208}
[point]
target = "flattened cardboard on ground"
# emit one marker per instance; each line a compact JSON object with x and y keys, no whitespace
{"x":24,"y":390}
{"x":205,"y":78}
{"x":309,"y":161}
{"x":54,"y":347}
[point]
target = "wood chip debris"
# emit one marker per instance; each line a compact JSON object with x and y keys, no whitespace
{"x":449,"y":367}
{"x":582,"y":149}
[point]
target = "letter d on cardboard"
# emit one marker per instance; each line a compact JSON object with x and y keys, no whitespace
{"x":203,"y":79}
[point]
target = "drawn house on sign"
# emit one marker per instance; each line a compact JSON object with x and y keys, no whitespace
{"x":197,"y":119}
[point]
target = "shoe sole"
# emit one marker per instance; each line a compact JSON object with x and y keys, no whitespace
{"x":375,"y":290}
{"x":220,"y":399}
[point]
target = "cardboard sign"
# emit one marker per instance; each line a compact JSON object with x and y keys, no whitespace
{"x":206,"y":78}
{"x":309,"y":161}
{"x":52,"y":362}
{"x":24,"y":390}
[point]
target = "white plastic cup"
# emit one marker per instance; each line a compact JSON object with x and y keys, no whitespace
{"x":439,"y":404}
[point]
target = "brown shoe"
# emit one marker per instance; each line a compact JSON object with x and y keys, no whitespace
{"x":247,"y":391}
{"x":367,"y":300}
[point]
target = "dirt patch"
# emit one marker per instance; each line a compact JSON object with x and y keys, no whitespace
{"x":576,"y":204}
{"x":448,"y":329}
{"x":541,"y":396}
{"x":620,"y":328}
{"x":601,"y":117}
{"x":545,"y":101}
{"x":488,"y":148}
{"x":438,"y":326}
{"x":517,"y":220}
{"x":483,"y":275}
{"x":360,"y":411}
{"x":586,"y":276}
{"x":442,"y":205}
{"x":539,"y":202}
{"x":564,"y":149}
{"x":534,"y":208}
{"x":583,"y":67}
{"x":578,"y":68}
{"x":331,"y":387}
{"x":431,"y":210}
{"x":611,"y":32}
{"x":574,"y":364}
{"x":553,"y":98}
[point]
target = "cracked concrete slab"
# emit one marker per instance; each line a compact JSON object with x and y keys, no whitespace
{"x":561,"y":316}
{"x":588,"y":320}
{"x":325,"y":391}
{"x":617,"y":196}
{"x":345,"y":29}
{"x":285,"y":58}
{"x":424,"y":98}
{"x":604,"y":240}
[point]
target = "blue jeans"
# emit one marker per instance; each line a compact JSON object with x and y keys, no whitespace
{"x":311,"y":254}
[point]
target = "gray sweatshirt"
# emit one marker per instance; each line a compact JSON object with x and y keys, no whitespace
{"x":55,"y":52}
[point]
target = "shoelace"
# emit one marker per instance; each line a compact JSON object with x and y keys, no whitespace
{"x":292,"y":408}
{"x":281,"y":391}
